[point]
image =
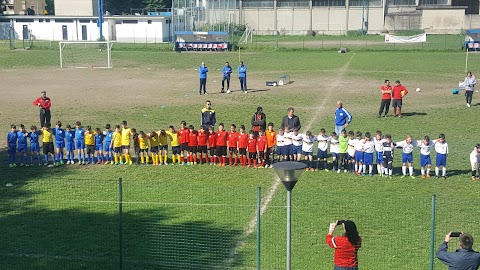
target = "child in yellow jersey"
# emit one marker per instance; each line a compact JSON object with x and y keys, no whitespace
{"x":175,"y":143}
{"x":116,"y":145}
{"x":163,"y":146}
{"x":143,"y":144}
{"x":47,"y":140}
{"x":90,"y":144}
{"x":126,"y":136}
{"x":153,"y":139}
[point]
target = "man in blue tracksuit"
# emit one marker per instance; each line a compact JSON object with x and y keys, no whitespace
{"x":242,"y":76}
{"x":226,"y":70}
{"x":202,"y":70}
{"x":342,"y":117}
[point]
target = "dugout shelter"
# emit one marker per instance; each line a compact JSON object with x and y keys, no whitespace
{"x":472,"y":40}
{"x":201,"y":41}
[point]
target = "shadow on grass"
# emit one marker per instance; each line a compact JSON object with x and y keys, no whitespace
{"x":413,"y":114}
{"x":73,"y":239}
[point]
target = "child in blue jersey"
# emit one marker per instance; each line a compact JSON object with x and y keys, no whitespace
{"x":99,"y":137}
{"x":34,"y":144}
{"x":80,"y":142}
{"x":59,"y":134}
{"x":12,"y":146}
{"x":107,"y":150}
{"x":70,"y":144}
{"x":22,"y":147}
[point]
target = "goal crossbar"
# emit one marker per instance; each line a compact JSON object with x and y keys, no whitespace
{"x":108,"y":47}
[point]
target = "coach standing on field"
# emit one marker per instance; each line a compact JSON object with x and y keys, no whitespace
{"x":44,"y":104}
{"x":291,"y":120}
{"x":386,"y":98}
{"x":342,"y":117}
{"x":226,"y":71}
{"x":202,"y":70}
{"x":208,"y":118}
{"x":242,"y":76}
{"x":398,"y":92}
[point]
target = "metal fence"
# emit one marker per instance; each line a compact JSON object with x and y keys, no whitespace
{"x":98,"y":224}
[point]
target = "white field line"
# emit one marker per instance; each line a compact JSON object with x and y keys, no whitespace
{"x":276,"y":182}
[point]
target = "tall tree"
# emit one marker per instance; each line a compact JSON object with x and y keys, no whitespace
{"x":50,"y":8}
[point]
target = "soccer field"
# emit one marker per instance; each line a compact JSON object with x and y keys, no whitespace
{"x":203,"y":217}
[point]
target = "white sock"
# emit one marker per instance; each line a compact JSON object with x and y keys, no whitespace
{"x":364,"y":168}
{"x":385,"y":171}
{"x":444,"y":171}
{"x":423,"y":171}
{"x":390,"y":172}
{"x":379,"y":169}
{"x":356,"y":167}
{"x":404,"y":170}
{"x":428,"y":170}
{"x":410,"y":170}
{"x":436,"y":171}
{"x":370,"y":169}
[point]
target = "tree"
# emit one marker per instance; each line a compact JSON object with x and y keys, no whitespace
{"x":119,"y":7}
{"x":50,"y":8}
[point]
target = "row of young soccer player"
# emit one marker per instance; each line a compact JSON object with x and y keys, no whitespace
{"x":188,"y":146}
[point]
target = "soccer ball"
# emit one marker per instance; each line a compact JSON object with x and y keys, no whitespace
{"x":228,"y":91}
{"x":402,"y":93}
{"x":418,"y":89}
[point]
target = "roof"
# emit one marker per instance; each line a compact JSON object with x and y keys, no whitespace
{"x":473,"y":31}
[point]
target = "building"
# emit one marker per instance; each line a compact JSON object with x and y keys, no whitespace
{"x":128,"y":29}
{"x":76,"y":7}
{"x":19,"y":7}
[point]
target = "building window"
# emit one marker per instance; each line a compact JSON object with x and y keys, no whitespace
{"x":64,"y":20}
{"x":130,"y":21}
{"x":257,"y":4}
{"x":328,"y":3}
{"x":433,"y":2}
{"x":83,"y":21}
{"x":24,"y":20}
{"x":149,"y":21}
{"x":367,"y":3}
{"x":47,"y":20}
{"x":401,"y":3}
{"x":292,"y":3}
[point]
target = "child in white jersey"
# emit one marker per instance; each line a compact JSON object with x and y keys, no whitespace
{"x":425,"y":146}
{"x":378,"y":141}
{"x":297,"y":141}
{"x":441,"y":147}
{"x":287,"y":144}
{"x":358,"y":145}
{"x":307,"y":149}
{"x":280,"y":149}
{"x":334,"y":150}
{"x":351,"y":152}
{"x":322,"y":149}
{"x":474,"y":161}
{"x":407,"y":155}
{"x":368,"y":149}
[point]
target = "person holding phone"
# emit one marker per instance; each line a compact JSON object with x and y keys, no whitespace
{"x":464,"y":258}
{"x":346,"y":246}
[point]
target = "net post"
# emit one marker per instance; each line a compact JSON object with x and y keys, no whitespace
{"x":109,"y":50}
{"x":61,"y":56}
{"x":259,"y":198}
{"x":120,"y":227}
{"x":432,"y":232}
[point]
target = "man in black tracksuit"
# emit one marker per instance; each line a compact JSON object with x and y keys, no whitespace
{"x":208,"y":118}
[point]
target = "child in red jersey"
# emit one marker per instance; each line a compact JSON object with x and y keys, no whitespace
{"x":346,"y":246}
{"x":252,"y":149}
{"x":221,"y":142}
{"x":261,"y":147}
{"x":202,"y":138}
{"x":233,"y":145}
{"x":212,"y":139}
{"x":192,"y":146}
{"x":183,"y":136}
{"x":242,"y":146}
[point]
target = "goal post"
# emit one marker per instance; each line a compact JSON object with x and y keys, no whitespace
{"x":86,"y":54}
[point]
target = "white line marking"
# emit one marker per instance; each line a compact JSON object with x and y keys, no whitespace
{"x":276,"y":182}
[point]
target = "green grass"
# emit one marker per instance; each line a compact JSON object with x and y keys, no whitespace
{"x":194,"y":217}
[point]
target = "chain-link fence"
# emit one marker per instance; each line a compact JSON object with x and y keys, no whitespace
{"x":148,"y":224}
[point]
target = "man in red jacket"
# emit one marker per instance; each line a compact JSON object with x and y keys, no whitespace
{"x":44,"y":104}
{"x":398,"y":92}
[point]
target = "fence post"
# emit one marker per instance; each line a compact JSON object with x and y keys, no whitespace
{"x":432,"y":232}
{"x":120,"y":227}
{"x":259,"y":198}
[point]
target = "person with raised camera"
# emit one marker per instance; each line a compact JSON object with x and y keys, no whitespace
{"x":464,"y":258}
{"x":346,"y":246}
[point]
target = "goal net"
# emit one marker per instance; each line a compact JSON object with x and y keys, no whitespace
{"x":247,"y":36}
{"x":85,"y":54}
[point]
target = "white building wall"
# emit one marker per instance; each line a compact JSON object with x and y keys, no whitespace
{"x":76,"y":7}
{"x":141,"y":32}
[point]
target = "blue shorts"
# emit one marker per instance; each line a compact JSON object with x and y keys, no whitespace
{"x":307,"y":153}
{"x":278,"y":150}
{"x":287,"y":150}
{"x":70,"y":146}
{"x":60,"y":144}
{"x":322,"y":154}
{"x":107,"y":148}
{"x":425,"y":160}
{"x":335,"y":155}
{"x":80,"y":144}
{"x":379,"y":157}
{"x":441,"y":160}
{"x":407,"y":158}
{"x":296,"y":149}
{"x":34,"y":147}
{"x":368,"y":158}
{"x":12,"y":148}
{"x":22,"y":148}
{"x":99,"y":147}
{"x":359,"y":156}
{"x":350,"y":157}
